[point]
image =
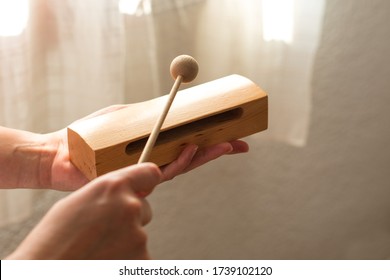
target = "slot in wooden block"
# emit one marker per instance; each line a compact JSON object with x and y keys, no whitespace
{"x":221,"y":110}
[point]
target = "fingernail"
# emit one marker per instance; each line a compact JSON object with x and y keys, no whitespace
{"x":230,"y":149}
{"x":194,"y":151}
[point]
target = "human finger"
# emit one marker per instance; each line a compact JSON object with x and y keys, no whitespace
{"x":140,"y":178}
{"x":106,"y":110}
{"x":146,"y":212}
{"x":178,"y":166}
{"x":239,"y":146}
{"x":208,"y":154}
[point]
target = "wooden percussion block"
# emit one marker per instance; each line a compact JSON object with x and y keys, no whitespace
{"x":221,"y":110}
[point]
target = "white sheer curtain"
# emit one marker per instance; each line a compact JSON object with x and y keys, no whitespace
{"x":66,"y":63}
{"x":74,"y":57}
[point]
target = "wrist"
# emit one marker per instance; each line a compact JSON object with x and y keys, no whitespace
{"x":34,"y":157}
{"x":47,"y":153}
{"x":25,"y":159}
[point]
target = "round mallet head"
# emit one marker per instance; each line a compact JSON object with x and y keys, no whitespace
{"x":185,"y":66}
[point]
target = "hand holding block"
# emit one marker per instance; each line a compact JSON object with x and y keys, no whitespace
{"x":218,"y":111}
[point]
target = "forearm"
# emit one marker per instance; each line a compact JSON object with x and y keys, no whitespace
{"x":23,"y":157}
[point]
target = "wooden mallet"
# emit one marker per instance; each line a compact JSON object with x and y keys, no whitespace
{"x":184,"y":69}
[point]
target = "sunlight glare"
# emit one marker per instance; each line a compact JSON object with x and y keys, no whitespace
{"x":278,"y":20}
{"x":135,"y":7}
{"x":13,"y":17}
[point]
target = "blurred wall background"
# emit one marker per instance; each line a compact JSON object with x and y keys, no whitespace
{"x":316,"y":185}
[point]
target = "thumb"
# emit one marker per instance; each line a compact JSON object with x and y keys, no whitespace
{"x":141,"y":178}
